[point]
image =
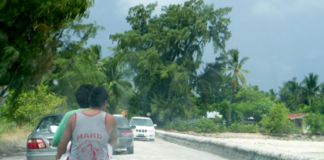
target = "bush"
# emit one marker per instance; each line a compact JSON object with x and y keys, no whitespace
{"x":183,"y":126}
{"x":277,"y":121}
{"x":243,"y":128}
{"x":205,"y":125}
{"x":31,"y":106}
{"x":168,"y":125}
{"x":316,"y":123}
{"x":221,"y":128}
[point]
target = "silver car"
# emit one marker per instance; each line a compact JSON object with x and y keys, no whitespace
{"x":40,"y":140}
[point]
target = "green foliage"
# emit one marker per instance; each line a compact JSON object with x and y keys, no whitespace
{"x":209,"y":84}
{"x":277,"y":120}
{"x":315,"y":122}
{"x":222,"y":108}
{"x":168,"y":125}
{"x":250,"y":103}
{"x":204,"y":125}
{"x":294,"y":94}
{"x":183,"y":126}
{"x":33,"y":105}
{"x":119,"y":88}
{"x":243,"y":128}
{"x":30,"y":34}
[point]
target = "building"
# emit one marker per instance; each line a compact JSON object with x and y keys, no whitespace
{"x":298,"y":120}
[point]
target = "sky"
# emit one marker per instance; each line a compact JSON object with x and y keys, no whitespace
{"x":282,"y":38}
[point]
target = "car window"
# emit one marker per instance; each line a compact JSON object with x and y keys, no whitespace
{"x":48,"y":121}
{"x":122,"y":122}
{"x":141,"y":122}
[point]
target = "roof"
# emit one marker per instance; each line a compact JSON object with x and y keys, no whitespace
{"x":141,"y":118}
{"x":297,"y":115}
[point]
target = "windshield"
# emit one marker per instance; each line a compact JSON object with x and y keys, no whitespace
{"x":247,"y":72}
{"x":141,"y":122}
{"x":48,"y":121}
{"x":122,"y":122}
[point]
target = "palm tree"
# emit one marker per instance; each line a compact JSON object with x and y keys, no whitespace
{"x":273,"y":94}
{"x":235,"y":67}
{"x":97,"y":50}
{"x":322,"y":88}
{"x":311,"y":86}
{"x":119,"y":88}
{"x":296,"y":89}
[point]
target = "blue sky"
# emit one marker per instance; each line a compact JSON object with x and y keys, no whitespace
{"x":282,"y":38}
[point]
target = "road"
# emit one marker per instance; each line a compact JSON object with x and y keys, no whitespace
{"x":159,"y":150}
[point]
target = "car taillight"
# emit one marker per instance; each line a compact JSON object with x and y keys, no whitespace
{"x":36,"y":144}
{"x":127,"y":133}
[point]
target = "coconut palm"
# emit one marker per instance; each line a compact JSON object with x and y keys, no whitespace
{"x":273,"y":94}
{"x":311,"y":87}
{"x":296,"y":89}
{"x":119,"y":88}
{"x":235,"y":67}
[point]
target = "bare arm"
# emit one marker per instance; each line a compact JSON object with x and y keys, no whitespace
{"x":112,"y":128}
{"x":66,"y":137}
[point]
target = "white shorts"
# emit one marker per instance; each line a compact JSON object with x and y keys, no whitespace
{"x":67,"y":152}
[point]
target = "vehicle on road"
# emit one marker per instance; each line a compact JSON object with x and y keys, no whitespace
{"x":125,"y":134}
{"x":145,"y":129}
{"x":40,"y":140}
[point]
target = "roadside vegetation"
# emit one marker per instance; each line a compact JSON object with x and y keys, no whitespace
{"x":161,"y":55}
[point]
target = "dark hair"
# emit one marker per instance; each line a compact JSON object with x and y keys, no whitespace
{"x":82,"y":95}
{"x":98,"y":96}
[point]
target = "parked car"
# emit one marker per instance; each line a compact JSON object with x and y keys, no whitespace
{"x":39,"y":141}
{"x":125,"y":134}
{"x":145,"y":129}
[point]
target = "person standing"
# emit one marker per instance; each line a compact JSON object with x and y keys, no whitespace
{"x":90,"y":129}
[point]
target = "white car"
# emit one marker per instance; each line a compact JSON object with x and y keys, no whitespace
{"x":145,"y":129}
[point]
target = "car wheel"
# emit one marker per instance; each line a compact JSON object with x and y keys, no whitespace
{"x":130,"y":150}
{"x":152,"y":140}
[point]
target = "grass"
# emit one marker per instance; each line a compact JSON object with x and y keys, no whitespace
{"x":14,"y":140}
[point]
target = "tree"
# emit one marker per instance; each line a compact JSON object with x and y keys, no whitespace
{"x":165,"y":51}
{"x":209,"y":84}
{"x":277,"y":120}
{"x":235,"y":66}
{"x":273,"y":94}
{"x":250,"y":102}
{"x":285,"y":95}
{"x":119,"y":88}
{"x":296,"y":89}
{"x":311,"y":87}
{"x":80,"y":67}
{"x":31,"y":32}
{"x":315,"y":122}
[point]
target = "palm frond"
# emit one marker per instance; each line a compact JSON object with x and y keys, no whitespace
{"x":242,"y":78}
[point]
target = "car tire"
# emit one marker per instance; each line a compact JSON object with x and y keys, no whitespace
{"x":152,"y":140}
{"x":130,"y":150}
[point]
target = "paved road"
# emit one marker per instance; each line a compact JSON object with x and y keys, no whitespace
{"x":159,"y":150}
{"x":162,"y":150}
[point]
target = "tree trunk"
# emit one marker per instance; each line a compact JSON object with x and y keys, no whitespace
{"x":230,"y":109}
